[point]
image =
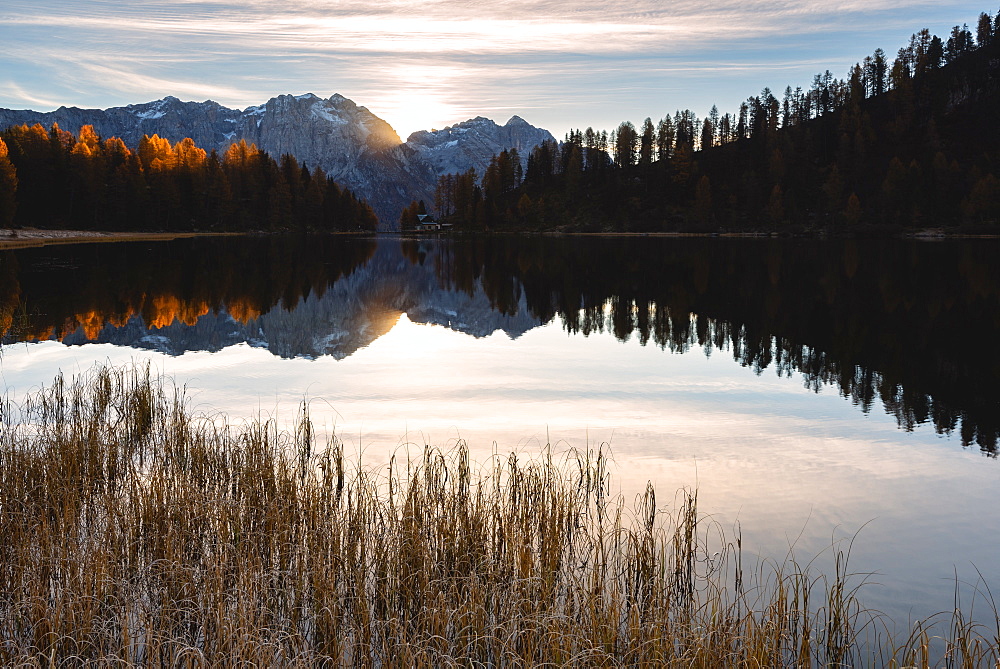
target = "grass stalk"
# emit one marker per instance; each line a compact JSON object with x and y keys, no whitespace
{"x":134,"y":532}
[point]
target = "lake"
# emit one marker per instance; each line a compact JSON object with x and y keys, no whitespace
{"x":813,"y":391}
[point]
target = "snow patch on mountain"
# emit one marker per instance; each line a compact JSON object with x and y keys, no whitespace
{"x":324,"y":113}
{"x":474,"y":142}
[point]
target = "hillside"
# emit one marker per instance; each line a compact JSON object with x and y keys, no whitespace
{"x":911,"y":146}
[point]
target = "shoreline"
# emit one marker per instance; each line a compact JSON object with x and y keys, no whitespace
{"x":923,"y":235}
{"x":33,"y":237}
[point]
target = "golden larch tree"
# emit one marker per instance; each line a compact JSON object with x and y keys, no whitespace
{"x":8,"y":188}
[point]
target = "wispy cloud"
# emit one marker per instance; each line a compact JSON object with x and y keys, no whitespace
{"x":12,"y":91}
{"x":407,"y":27}
{"x":126,"y":79}
{"x":413,"y":59}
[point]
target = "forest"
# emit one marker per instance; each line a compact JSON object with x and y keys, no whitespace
{"x":899,"y":144}
{"x":55,"y":179}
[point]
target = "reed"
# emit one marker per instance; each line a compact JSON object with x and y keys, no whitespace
{"x":136,"y":533}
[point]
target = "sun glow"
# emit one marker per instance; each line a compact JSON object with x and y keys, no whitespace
{"x":410,"y":109}
{"x":416,"y":95}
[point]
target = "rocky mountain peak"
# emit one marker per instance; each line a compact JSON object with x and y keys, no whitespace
{"x":473,"y":143}
{"x":354,"y":146}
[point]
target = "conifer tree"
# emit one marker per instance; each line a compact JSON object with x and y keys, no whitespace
{"x":707,"y":135}
{"x":626,"y":141}
{"x":877,"y":74}
{"x":935,"y":53}
{"x":8,"y":188}
{"x":984,"y":30}
{"x":646,"y":142}
{"x":408,"y":220}
{"x":959,"y":43}
{"x":665,"y":138}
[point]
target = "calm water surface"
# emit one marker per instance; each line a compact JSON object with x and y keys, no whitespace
{"x":811,"y":390}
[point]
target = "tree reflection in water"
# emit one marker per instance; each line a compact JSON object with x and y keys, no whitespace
{"x":907,"y":325}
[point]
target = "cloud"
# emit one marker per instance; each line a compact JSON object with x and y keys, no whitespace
{"x":453,"y":58}
{"x":123,"y":78}
{"x":405,"y":27}
{"x":11,"y":90}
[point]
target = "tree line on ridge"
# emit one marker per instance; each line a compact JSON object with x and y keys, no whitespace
{"x":907,"y":142}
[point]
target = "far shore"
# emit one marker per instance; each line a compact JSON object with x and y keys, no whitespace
{"x":25,"y":237}
{"x":33,"y":237}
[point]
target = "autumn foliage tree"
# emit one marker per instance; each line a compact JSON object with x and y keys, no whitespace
{"x":8,"y":188}
{"x":410,"y":218}
{"x":61,"y":180}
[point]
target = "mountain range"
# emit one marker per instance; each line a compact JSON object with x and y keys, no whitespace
{"x":355,"y":147}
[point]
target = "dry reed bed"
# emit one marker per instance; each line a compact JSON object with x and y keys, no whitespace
{"x":135,"y":533}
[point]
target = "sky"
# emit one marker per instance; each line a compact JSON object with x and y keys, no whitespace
{"x":432,"y":63}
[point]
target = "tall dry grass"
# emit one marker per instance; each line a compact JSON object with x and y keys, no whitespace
{"x":133,"y":532}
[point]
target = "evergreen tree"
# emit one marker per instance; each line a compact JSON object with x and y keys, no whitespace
{"x":626,"y":141}
{"x":935,"y":53}
{"x":959,"y":43}
{"x":857,"y":85}
{"x":707,"y":135}
{"x":900,"y":73}
{"x":741,"y":123}
{"x":787,"y":107}
{"x":8,"y":188}
{"x":685,"y":123}
{"x":725,"y":129}
{"x":408,"y":220}
{"x":589,"y":149}
{"x":984,"y":30}
{"x":877,"y":76}
{"x":541,"y":163}
{"x":713,"y":118}
{"x":665,"y":138}
{"x":647,"y":142}
{"x":920,"y":43}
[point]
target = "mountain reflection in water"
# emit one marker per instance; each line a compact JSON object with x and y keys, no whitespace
{"x":907,"y":325}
